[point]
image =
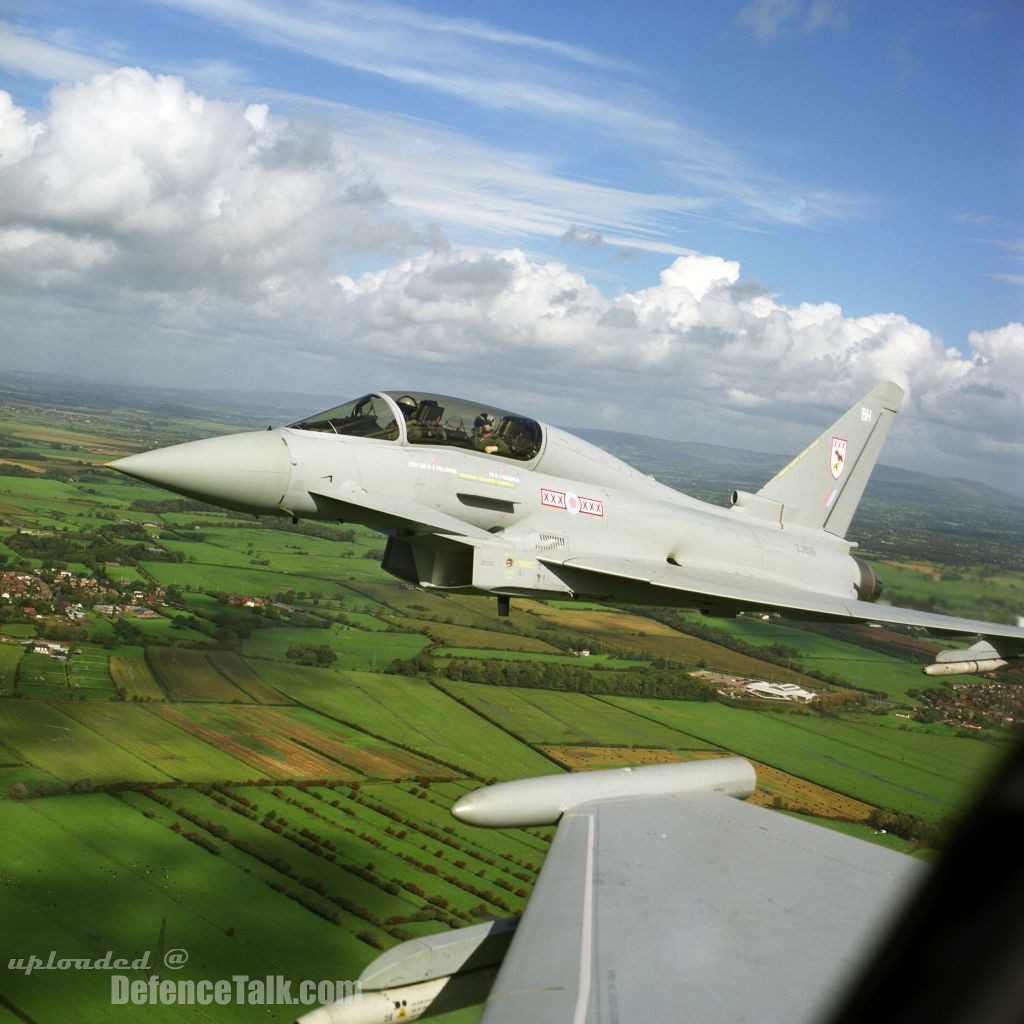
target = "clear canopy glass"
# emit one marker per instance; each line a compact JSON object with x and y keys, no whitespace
{"x":429,"y":419}
{"x":369,"y":416}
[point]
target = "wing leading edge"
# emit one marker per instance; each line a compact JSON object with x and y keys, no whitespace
{"x":593,"y":574}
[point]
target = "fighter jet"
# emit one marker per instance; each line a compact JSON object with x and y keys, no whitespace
{"x":664,"y":896}
{"x":478,"y":499}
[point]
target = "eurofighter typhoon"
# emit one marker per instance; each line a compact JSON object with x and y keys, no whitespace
{"x":481,"y":500}
{"x":664,"y":896}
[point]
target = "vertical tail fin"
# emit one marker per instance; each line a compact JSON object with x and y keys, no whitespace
{"x":823,"y":485}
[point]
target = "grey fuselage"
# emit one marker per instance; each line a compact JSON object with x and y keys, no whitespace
{"x":498,"y":523}
{"x":573,"y":498}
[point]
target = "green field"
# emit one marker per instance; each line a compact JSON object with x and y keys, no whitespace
{"x":595,"y":661}
{"x":957,"y":592}
{"x":41,"y":676}
{"x":10,"y":656}
{"x":165,"y":747}
{"x":181,"y":771}
{"x":239,"y":674}
{"x":411,"y":713}
{"x":258,"y":582}
{"x":189,"y":675}
{"x":125,"y":574}
{"x":87,"y":669}
{"x":62,"y":748}
{"x":928,"y":775}
{"x":132,"y":674}
{"x":546,"y":717}
{"x":125,"y":883}
{"x":356,"y":648}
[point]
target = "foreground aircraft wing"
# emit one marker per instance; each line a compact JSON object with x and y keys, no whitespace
{"x":662,"y":898}
{"x":694,"y":908}
{"x":736,"y":593}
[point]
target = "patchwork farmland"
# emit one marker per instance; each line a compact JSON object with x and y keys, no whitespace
{"x":251,"y":743}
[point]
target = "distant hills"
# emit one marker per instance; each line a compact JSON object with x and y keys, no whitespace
{"x":905,"y":513}
{"x":712,"y":472}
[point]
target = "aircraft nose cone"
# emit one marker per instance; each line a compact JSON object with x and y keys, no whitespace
{"x":248,"y":472}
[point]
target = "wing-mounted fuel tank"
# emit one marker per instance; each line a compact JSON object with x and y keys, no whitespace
{"x":423,"y":977}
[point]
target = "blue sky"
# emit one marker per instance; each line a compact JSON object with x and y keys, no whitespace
{"x":758,"y":207}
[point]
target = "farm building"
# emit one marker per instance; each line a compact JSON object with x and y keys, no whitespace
{"x":780,"y":691}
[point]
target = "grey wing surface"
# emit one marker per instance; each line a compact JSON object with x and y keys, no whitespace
{"x":695,"y":907}
{"x":758,"y":595}
{"x":354,"y":506}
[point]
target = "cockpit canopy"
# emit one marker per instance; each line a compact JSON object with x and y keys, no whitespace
{"x":419,"y":418}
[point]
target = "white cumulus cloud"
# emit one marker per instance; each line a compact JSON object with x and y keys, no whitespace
{"x":17,"y":134}
{"x":216,"y":240}
{"x":185,"y":192}
{"x":694,"y":355}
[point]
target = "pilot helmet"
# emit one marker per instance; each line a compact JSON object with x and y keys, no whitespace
{"x":407,"y":404}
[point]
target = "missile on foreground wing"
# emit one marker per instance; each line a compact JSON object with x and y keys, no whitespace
{"x":410,"y":1002}
{"x":429,"y":975}
{"x":981,"y":657}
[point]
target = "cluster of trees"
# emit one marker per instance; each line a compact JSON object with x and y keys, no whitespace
{"x":168,"y":505}
{"x":909,"y":827}
{"x":437,"y":907}
{"x":549,"y":675}
{"x":306,"y":528}
{"x":776,"y":654}
{"x":639,"y":682}
{"x":309,"y":654}
{"x":92,"y":550}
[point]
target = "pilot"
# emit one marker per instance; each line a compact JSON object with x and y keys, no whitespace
{"x":413,"y":428}
{"x":408,"y":406}
{"x":484,"y":439}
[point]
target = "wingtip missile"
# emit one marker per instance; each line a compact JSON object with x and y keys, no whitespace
{"x":981,"y":657}
{"x":964,"y":668}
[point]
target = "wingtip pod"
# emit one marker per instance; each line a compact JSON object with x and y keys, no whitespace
{"x":542,"y":801}
{"x":965,"y":668}
{"x":981,"y":657}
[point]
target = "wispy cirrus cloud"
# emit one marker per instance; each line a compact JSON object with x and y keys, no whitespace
{"x":527,"y":78}
{"x":1004,"y":237}
{"x":26,"y":55}
{"x":536,"y":84}
{"x":769,"y":19}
